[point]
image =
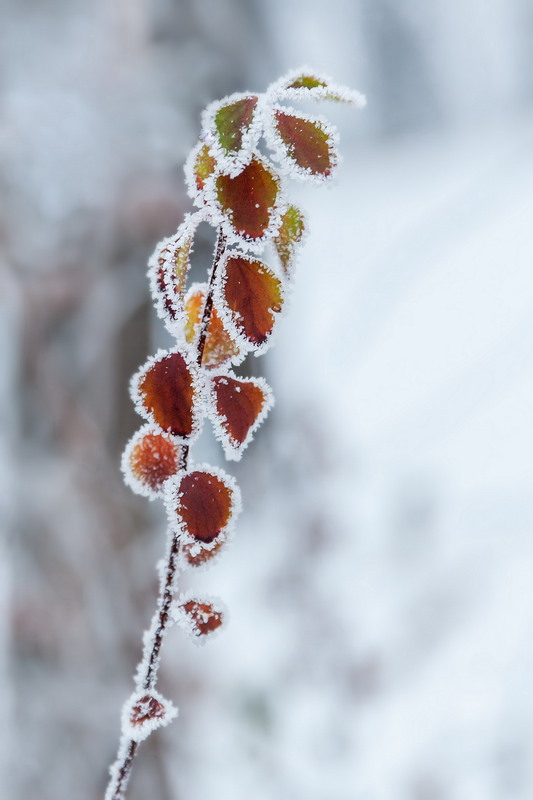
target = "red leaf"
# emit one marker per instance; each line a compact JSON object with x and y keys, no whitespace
{"x":149,"y":459}
{"x":241,"y":406}
{"x":254,"y":297}
{"x":219,"y":347}
{"x":249,"y":199}
{"x":307,"y":143}
{"x":204,"y":502}
{"x":166,"y":392}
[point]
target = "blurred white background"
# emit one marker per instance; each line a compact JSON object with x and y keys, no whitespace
{"x":380,"y":582}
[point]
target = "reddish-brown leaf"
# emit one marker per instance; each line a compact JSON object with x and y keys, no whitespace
{"x":249,"y":199}
{"x":219,"y":347}
{"x":307,"y":143}
{"x":204,"y":618}
{"x":152,"y":457}
{"x":167,"y":394}
{"x":240,"y":407}
{"x":204,"y":505}
{"x":147,"y":708}
{"x":254,"y":296}
{"x":195,"y":556}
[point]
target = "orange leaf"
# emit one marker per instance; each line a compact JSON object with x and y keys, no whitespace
{"x":253,"y":296}
{"x":219,"y":347}
{"x":149,"y":459}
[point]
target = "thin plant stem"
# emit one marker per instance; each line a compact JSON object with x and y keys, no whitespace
{"x":160,"y":622}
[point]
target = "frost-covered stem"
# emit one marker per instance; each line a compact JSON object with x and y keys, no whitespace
{"x":123,"y":772}
{"x":208,"y":305}
{"x":163,"y":616}
{"x":147,"y":675}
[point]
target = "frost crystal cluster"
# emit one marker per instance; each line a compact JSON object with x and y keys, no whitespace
{"x":240,"y":191}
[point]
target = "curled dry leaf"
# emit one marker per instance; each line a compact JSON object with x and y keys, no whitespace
{"x":168,"y":269}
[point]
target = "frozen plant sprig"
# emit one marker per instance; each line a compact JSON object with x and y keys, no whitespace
{"x":241,"y":192}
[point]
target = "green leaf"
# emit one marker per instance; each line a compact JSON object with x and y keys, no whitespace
{"x":290,"y":234}
{"x":233,"y":121}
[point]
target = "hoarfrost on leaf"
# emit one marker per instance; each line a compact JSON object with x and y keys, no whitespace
{"x":238,"y":406}
{"x":144,"y":712}
{"x":194,"y":556}
{"x":168,"y":268}
{"x":201,"y":618}
{"x":168,"y":392}
{"x":199,"y":166}
{"x":290,"y":235}
{"x":250,"y":204}
{"x":250,"y":297}
{"x":220,"y":347}
{"x":305,"y":146}
{"x":304,"y":84}
{"x":233,"y":126}
{"x":149,"y":459}
{"x":202,"y":504}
